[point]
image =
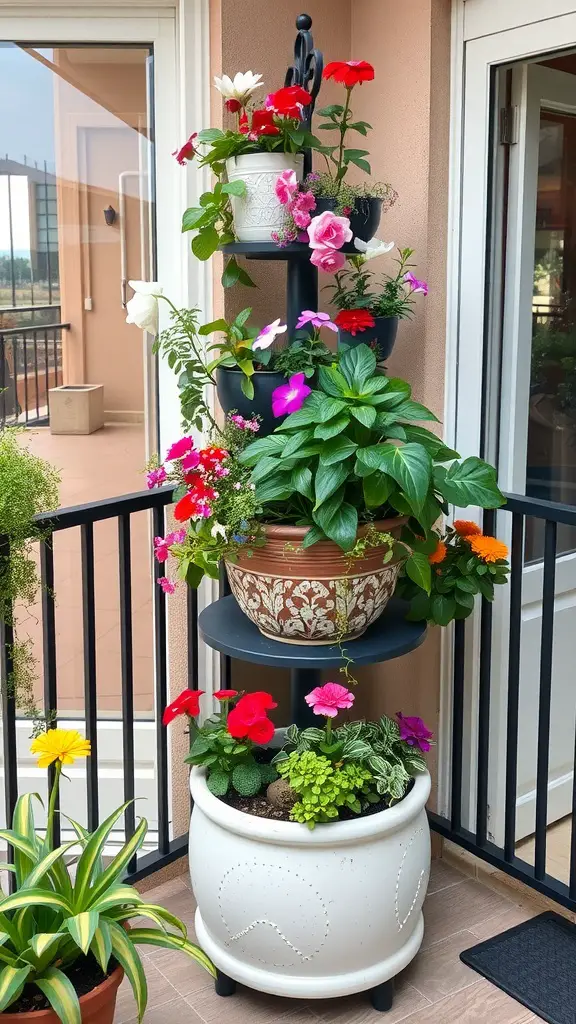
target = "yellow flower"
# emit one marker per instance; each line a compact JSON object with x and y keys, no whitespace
{"x":63,"y":745}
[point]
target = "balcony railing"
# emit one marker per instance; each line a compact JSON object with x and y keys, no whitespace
{"x":163,"y":846}
{"x":30,"y":364}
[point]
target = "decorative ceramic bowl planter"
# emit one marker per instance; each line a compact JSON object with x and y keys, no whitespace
{"x":314,"y":595}
{"x":381,"y":338}
{"x":231,"y":396}
{"x":259,"y":212}
{"x":96,"y":1007}
{"x":306,"y":914}
{"x":364,"y":217}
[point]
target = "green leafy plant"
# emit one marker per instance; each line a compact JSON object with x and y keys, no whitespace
{"x":354,"y":453}
{"x":53,"y":919}
{"x":28,"y":486}
{"x":464,"y":563}
{"x":356,"y":287}
{"x":304,"y":355}
{"x":324,"y":790}
{"x":234,"y":348}
{"x":346,"y":193}
{"x":213,"y":223}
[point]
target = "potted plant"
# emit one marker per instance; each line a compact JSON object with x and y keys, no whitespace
{"x":316,"y":521}
{"x":246,"y":368}
{"x":247,"y":160}
{"x":67,"y":940}
{"x":370,"y":307}
{"x":326,"y":841}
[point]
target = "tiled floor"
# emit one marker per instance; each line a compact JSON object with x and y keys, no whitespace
{"x":558,"y":840}
{"x":435,"y":989}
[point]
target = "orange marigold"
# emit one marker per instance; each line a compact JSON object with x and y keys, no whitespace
{"x":466,"y":528}
{"x":488,"y":548}
{"x":439,"y":554}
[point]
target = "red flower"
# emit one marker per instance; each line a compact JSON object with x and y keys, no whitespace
{"x":288,"y":102}
{"x":233,"y":105}
{"x":244,"y":124}
{"x":186,"y":508}
{"x":263,"y":123}
{"x":187,"y":703}
{"x":187,"y":151}
{"x":354,"y":320}
{"x":349,"y":72}
{"x":226,"y":694}
{"x":248,"y":720}
{"x":210,"y":457}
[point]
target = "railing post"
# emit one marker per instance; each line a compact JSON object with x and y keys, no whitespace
{"x":8,"y":699}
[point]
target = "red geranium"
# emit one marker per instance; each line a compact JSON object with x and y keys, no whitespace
{"x":349,"y":72}
{"x":354,"y":320}
{"x":186,"y":508}
{"x":226,"y":694}
{"x":262,"y":124}
{"x":248,"y":720}
{"x":187,"y":703}
{"x":187,"y":151}
{"x":288,"y":102}
{"x":210,"y":457}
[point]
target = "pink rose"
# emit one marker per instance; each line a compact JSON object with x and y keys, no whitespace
{"x":328,"y":260}
{"x":329,"y":231}
{"x":286,"y":186}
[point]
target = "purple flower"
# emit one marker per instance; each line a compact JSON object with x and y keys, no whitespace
{"x":156,"y":477}
{"x":415,"y":285}
{"x":307,"y":316}
{"x":291,"y":396}
{"x":414,"y":732}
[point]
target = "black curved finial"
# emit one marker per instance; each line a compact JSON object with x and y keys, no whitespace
{"x":306,"y":71}
{"x":304,"y":21}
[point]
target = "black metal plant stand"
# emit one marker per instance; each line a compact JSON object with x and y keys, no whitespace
{"x":223,"y":626}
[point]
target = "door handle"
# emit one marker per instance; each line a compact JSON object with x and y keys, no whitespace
{"x":123,"y":239}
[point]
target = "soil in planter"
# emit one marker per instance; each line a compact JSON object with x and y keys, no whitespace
{"x":259,"y":806}
{"x":85,"y":975}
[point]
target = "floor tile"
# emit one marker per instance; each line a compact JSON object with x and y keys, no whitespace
{"x":481,"y":1003}
{"x":357,"y":1009}
{"x":247,"y":1007}
{"x":442,"y":875}
{"x":159,"y":991}
{"x":176,"y":1011}
{"x":438,"y":970}
{"x":459,"y":907}
{"x":501,"y":923}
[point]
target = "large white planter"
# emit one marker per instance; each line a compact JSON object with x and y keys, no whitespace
{"x":259,"y":212}
{"x":309,"y":914}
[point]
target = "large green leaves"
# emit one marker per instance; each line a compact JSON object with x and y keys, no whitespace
{"x":471,"y":482}
{"x":339,"y":521}
{"x":12,"y":980}
{"x":126,"y":955}
{"x":152,"y":937}
{"x":61,"y":995}
{"x":101,"y":945}
{"x":328,"y":479}
{"x":82,"y":928}
{"x":90,"y":859}
{"x":23,"y":825}
{"x":409,"y":465}
{"x":357,"y":365}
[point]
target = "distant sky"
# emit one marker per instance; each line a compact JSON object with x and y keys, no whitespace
{"x":26,"y":106}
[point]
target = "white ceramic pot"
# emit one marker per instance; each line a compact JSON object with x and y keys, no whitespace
{"x":307,"y":914}
{"x":258,"y":213}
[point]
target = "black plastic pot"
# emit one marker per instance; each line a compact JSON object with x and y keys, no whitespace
{"x":364,"y":219}
{"x":231,"y":396}
{"x":380,"y":338}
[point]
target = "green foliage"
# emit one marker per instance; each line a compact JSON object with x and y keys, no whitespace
{"x":554,"y":366}
{"x":213,"y":224}
{"x":353,"y":454}
{"x":386,"y":295}
{"x":182,"y":350}
{"x":28,"y":486}
{"x":305,"y":354}
{"x":229,"y":763}
{"x":346,"y":193}
{"x":52,"y":919}
{"x":323,"y":788}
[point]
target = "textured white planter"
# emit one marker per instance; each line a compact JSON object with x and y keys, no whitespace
{"x":309,"y":914}
{"x":258,"y":213}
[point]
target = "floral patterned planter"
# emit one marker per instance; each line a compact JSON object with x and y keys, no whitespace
{"x":313,"y":595}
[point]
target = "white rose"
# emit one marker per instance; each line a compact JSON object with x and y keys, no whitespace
{"x":142,"y":308}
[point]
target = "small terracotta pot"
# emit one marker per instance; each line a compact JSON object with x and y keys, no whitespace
{"x":313,"y":595}
{"x":97,"y":1006}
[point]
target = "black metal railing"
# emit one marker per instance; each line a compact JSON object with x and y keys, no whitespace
{"x":476,"y":700}
{"x":30,"y":364}
{"x":84,"y":518}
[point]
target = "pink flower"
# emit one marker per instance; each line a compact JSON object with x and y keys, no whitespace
{"x":156,"y":477}
{"x":253,"y":425}
{"x":305,"y":201}
{"x":239,"y":421}
{"x":187,"y":151}
{"x":286,"y":186}
{"x":414,"y":732}
{"x":167,"y":585}
{"x":307,"y":316}
{"x":191,"y":460}
{"x":177,"y":537}
{"x":161,"y":549}
{"x":329,"y":699}
{"x":328,"y":260}
{"x":179,"y":449}
{"x":290,"y":397}
{"x":300,"y":217}
{"x":416,"y":286}
{"x":268,"y":334}
{"x":329,"y":231}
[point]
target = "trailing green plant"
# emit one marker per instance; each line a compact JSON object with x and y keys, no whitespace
{"x":55,"y":919}
{"x":324,"y":789}
{"x":28,"y":486}
{"x":184,"y":354}
{"x":213,"y":223}
{"x":346,"y":193}
{"x":387,"y":295}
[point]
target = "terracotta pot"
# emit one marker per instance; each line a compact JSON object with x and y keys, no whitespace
{"x":313,"y":595}
{"x":97,"y":1006}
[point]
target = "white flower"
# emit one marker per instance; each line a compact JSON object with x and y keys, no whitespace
{"x":218,"y":531}
{"x":142,"y":308}
{"x":375,"y":247}
{"x":241,"y":88}
{"x":268,"y":334}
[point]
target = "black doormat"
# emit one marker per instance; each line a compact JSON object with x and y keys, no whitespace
{"x":535,"y":963}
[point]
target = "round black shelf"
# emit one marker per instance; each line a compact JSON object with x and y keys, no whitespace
{"x":224,"y":627}
{"x":271,"y":251}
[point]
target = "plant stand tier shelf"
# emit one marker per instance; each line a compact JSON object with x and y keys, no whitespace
{"x":271,"y":251}
{"x":225,"y":628}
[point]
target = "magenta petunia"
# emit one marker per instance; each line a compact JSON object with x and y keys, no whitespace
{"x":416,"y":286}
{"x":414,"y":732}
{"x":329,"y":699}
{"x":156,"y":477}
{"x":191,"y":460}
{"x":291,"y":396}
{"x":179,"y":449}
{"x":167,"y":585}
